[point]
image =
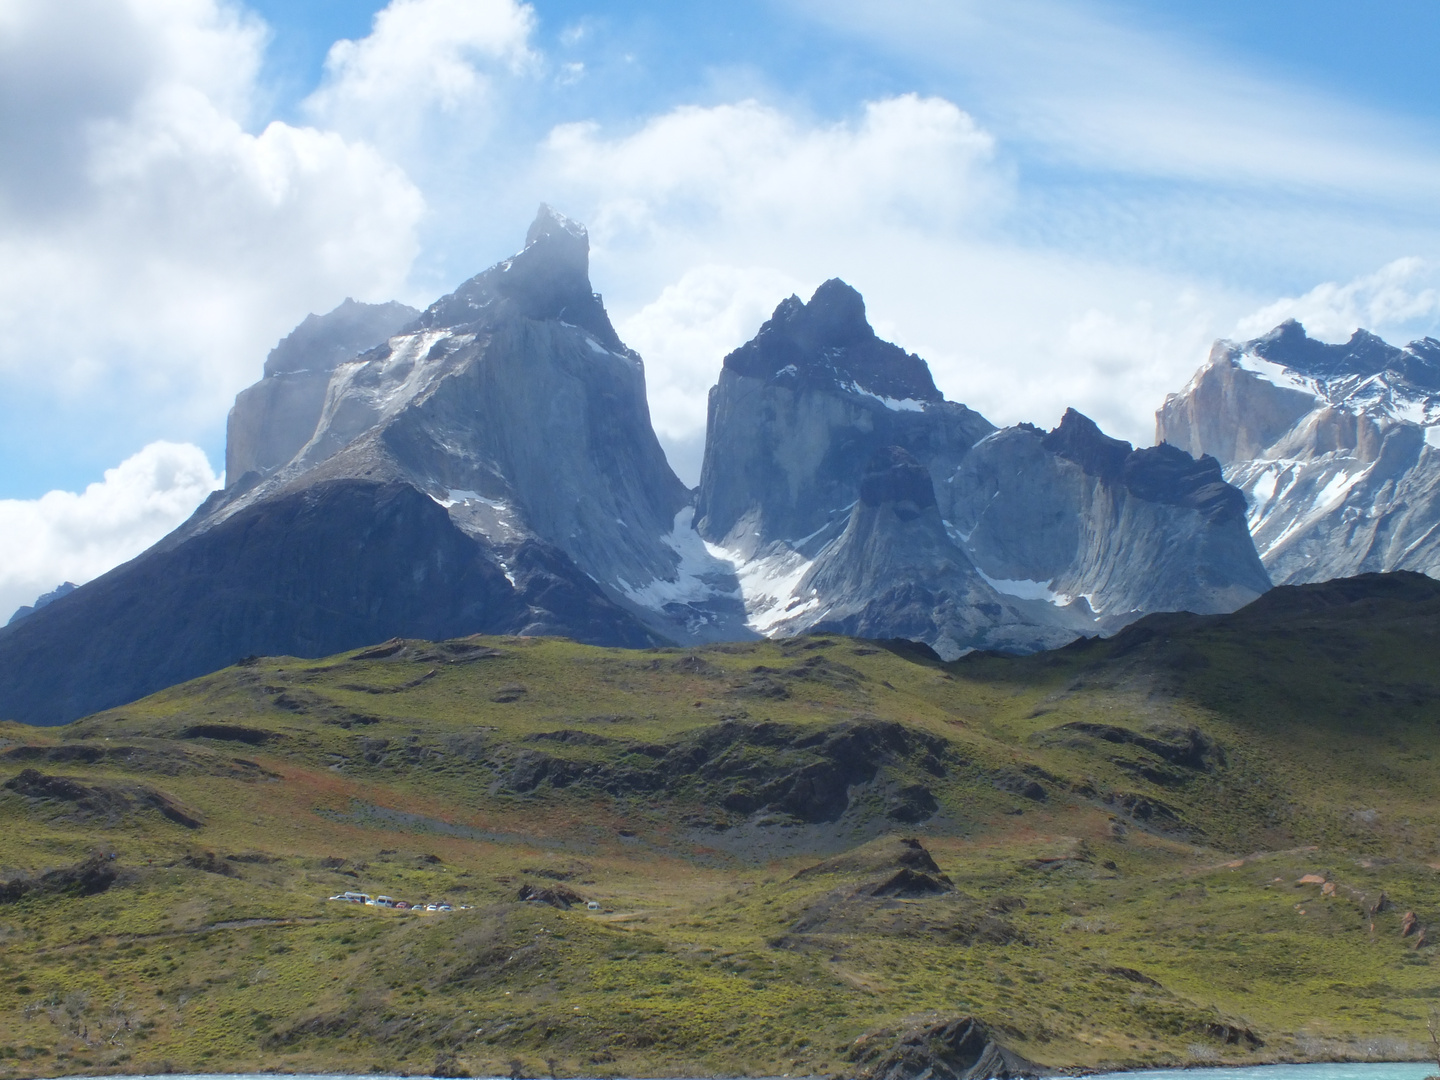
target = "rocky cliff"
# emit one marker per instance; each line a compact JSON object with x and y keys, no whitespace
{"x":274,"y":418}
{"x":1015,"y":539}
{"x":798,"y":412}
{"x":896,"y":572}
{"x":491,"y":466}
{"x":1079,"y":517}
{"x":1330,"y":445}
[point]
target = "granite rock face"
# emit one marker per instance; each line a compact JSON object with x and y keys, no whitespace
{"x":1091,"y":520}
{"x":896,"y":572}
{"x":1015,"y":539}
{"x":799,"y":411}
{"x":1331,"y":445}
{"x":488,"y":467}
{"x":276,"y":417}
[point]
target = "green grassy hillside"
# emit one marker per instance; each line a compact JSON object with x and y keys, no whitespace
{"x":1111,"y":842}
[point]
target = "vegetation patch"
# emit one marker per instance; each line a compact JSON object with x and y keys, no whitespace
{"x":1206,"y":840}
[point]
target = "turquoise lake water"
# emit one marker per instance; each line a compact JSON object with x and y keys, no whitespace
{"x":1370,"y":1070}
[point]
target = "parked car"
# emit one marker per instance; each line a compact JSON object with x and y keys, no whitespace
{"x":351,"y":897}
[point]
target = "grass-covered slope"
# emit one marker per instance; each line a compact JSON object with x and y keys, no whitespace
{"x":1110,"y":845}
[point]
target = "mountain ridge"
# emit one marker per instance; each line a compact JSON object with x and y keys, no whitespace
{"x":1330,"y":444}
{"x":508,"y":426}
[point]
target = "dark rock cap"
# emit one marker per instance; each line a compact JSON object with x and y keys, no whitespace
{"x":1080,"y":439}
{"x":1158,"y":474}
{"x":830,"y":342}
{"x":549,"y":279}
{"x":1365,"y":354}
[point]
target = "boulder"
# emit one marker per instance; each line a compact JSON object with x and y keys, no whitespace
{"x":959,"y":1049}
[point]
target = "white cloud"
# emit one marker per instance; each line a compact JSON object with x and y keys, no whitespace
{"x":903,"y":203}
{"x":153,"y":247}
{"x":69,"y":536}
{"x":907,"y":158}
{"x":422,"y":55}
{"x":684,"y":334}
{"x":1399,"y":299}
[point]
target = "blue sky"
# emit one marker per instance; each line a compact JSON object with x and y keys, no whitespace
{"x":1055,"y":202}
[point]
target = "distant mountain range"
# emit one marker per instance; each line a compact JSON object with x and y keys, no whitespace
{"x":1332,"y":445}
{"x":489,"y":465}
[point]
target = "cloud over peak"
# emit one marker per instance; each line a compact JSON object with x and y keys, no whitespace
{"x":146,"y":226}
{"x":421,"y":55}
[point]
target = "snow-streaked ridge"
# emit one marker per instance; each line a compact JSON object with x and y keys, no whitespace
{"x":766,"y":584}
{"x":700,"y":574}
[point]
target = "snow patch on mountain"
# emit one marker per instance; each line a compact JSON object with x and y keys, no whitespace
{"x":769,"y":584}
{"x":894,"y":404}
{"x":701,"y":571}
{"x":1277,"y":374}
{"x":1025,"y":589}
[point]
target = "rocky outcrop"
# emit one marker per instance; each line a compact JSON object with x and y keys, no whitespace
{"x":93,"y":874}
{"x":273,"y":419}
{"x":106,"y":804}
{"x":310,"y":573}
{"x":895,"y":572}
{"x":959,"y":1049}
{"x":1329,"y":444}
{"x":44,"y":600}
{"x":1088,"y":520}
{"x":799,"y":411}
{"x":738,"y":772}
{"x":489,"y":467}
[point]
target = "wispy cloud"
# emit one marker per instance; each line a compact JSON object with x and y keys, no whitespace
{"x":1070,"y":79}
{"x":420,"y":57}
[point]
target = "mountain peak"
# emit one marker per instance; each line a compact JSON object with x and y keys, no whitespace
{"x":548,"y":279}
{"x":835,"y":316}
{"x":549,"y":224}
{"x":1288,"y":345}
{"x":830,"y":343}
{"x":556,"y":245}
{"x":1080,"y":439}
